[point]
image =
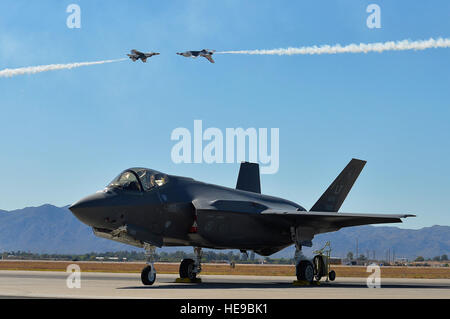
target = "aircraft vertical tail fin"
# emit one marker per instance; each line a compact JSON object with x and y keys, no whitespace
{"x":334,"y":196}
{"x":248,"y":179}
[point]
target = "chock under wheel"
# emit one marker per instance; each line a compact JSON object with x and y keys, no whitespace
{"x":188,"y":280}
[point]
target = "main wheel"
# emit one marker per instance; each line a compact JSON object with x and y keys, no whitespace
{"x":148,"y":275}
{"x":187,"y":269}
{"x":305,"y":271}
{"x":332,"y":275}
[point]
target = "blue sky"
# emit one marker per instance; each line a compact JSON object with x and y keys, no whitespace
{"x":66,"y":134}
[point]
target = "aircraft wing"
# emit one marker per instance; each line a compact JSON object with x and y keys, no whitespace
{"x":136,"y":52}
{"x":330,"y":221}
{"x":210,"y":59}
{"x":132,"y":57}
{"x":308,"y":224}
{"x":317,"y":222}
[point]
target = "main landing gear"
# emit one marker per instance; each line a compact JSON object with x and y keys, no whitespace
{"x":189,"y":268}
{"x":304,"y":269}
{"x":308,"y":272}
{"x":148,"y":274}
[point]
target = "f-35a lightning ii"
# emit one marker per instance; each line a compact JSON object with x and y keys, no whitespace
{"x":149,"y":209}
{"x":136,"y":55}
{"x":204,"y":53}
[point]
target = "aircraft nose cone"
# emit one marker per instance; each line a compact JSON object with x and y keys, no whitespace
{"x":89,"y":209}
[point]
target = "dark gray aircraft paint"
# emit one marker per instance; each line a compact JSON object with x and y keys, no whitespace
{"x":146,"y":207}
{"x":136,"y":55}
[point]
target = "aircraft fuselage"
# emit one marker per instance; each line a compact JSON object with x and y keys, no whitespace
{"x":169,"y":212}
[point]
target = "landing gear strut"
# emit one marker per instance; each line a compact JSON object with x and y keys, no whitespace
{"x":304,"y":269}
{"x":189,"y":268}
{"x":148,"y":274}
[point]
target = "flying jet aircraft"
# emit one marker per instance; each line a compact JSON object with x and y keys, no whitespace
{"x":204,"y":53}
{"x":149,"y":209}
{"x":136,"y":55}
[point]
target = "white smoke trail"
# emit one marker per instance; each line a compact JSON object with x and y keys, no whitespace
{"x":352,"y":48}
{"x":50,"y":67}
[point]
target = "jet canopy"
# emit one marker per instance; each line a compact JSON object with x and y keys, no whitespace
{"x":139,"y":179}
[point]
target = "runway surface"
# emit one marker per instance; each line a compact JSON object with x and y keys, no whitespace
{"x":49,"y":284}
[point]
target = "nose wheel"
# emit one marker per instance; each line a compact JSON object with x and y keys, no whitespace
{"x":148,"y":274}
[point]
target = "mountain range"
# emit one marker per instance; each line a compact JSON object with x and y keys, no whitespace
{"x":51,"y":229}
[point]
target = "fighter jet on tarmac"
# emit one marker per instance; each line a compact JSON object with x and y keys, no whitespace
{"x":194,"y":54}
{"x":149,"y":209}
{"x":136,"y":55}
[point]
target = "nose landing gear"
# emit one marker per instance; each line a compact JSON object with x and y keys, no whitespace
{"x":148,"y":274}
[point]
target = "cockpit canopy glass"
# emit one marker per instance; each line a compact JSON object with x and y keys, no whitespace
{"x":139,"y":179}
{"x":127,"y":181}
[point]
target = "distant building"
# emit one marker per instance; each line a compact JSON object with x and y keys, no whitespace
{"x":335,"y":261}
